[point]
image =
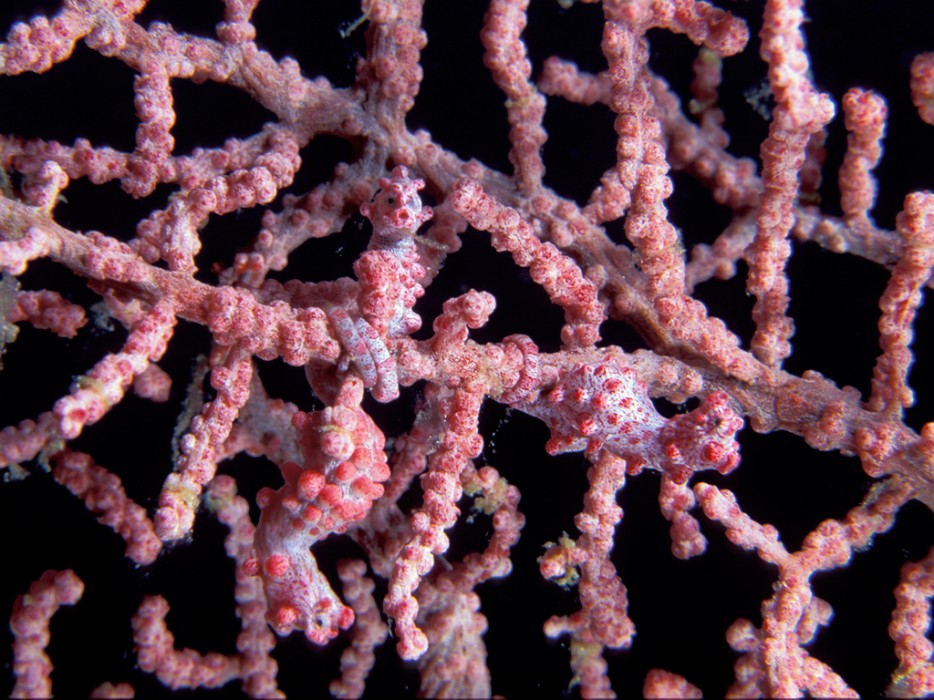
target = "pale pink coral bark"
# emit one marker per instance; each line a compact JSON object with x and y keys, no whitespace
{"x":387,"y":400}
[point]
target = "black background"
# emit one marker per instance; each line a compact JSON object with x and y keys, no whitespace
{"x":681,"y":609}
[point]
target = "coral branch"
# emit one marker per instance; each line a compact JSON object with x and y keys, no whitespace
{"x":239,"y":257}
